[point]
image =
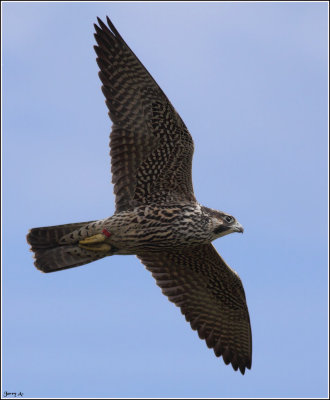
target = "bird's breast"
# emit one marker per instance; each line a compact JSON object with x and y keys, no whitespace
{"x":159,"y":227}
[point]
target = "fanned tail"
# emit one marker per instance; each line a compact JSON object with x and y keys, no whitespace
{"x":50,"y":256}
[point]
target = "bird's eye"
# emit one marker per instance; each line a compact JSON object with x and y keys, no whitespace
{"x":229,"y":219}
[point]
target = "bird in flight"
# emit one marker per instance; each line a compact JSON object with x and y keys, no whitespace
{"x":157,"y":216}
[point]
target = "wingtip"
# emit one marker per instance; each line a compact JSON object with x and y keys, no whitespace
{"x":102,"y":25}
{"x":102,"y":28}
{"x":111,"y":25}
{"x":109,"y":21}
{"x":245,"y":365}
{"x":242,"y":369}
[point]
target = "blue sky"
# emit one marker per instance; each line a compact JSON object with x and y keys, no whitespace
{"x":250,"y":82}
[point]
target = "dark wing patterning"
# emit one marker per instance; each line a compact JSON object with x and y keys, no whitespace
{"x":151,"y":148}
{"x":211,"y":297}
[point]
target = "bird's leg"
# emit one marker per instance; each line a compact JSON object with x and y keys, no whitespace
{"x":96,"y":242}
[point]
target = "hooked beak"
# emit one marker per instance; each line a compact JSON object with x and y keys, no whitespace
{"x":237,"y":227}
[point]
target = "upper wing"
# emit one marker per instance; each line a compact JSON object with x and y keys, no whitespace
{"x":211,"y":297}
{"x":151,"y":148}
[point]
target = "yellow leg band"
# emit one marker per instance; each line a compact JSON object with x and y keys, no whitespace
{"x":95,"y":243}
{"x":93,"y":239}
{"x":103,"y":247}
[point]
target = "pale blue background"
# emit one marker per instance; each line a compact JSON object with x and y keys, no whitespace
{"x":250,"y":81}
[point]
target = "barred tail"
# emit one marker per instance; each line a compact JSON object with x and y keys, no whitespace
{"x":50,"y":256}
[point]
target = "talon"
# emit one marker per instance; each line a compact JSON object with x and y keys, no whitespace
{"x":104,"y":247}
{"x":93,"y":239}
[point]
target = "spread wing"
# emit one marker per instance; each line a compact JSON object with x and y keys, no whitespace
{"x":151,"y":148}
{"x":211,"y":297}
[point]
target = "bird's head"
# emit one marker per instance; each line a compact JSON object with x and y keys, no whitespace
{"x":223,"y":223}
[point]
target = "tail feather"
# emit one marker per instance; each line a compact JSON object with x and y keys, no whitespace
{"x":48,"y":236}
{"x":51,"y":256}
{"x":63,"y":257}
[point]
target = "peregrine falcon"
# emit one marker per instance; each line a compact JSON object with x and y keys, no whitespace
{"x":157,"y":216}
